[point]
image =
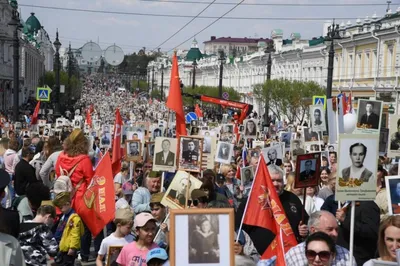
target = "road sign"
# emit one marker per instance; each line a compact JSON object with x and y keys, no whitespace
{"x":43,"y":94}
{"x":190,"y":117}
{"x":225,"y":95}
{"x":319,"y":100}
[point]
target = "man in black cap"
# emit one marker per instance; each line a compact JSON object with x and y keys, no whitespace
{"x":8,"y":218}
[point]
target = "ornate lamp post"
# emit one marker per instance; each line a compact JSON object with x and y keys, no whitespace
{"x":15,"y":22}
{"x":162,"y":82}
{"x":194,"y":73}
{"x":270,"y":49}
{"x":57,"y":45}
{"x":222,"y":59}
{"x":333,"y":34}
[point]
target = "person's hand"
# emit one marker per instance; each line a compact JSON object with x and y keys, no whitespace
{"x":340,"y":215}
{"x":241,"y":188}
{"x":303,"y":229}
{"x":193,"y":251}
{"x":237,"y":248}
{"x":164,"y":227}
{"x":71,"y":252}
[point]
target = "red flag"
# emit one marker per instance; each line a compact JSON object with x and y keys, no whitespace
{"x":88,"y":118}
{"x":265,"y":210}
{"x":116,"y":147}
{"x":35,"y":114}
{"x":243,"y":115}
{"x":349,"y":104}
{"x":91,"y":109}
{"x":198,"y":111}
{"x":174,"y":101}
{"x":98,"y":203}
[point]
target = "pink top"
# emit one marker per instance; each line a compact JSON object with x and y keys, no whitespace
{"x":8,"y":160}
{"x":131,"y":255}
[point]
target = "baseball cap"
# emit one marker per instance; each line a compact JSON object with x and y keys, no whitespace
{"x":124,"y":214}
{"x":220,"y":178}
{"x":142,"y":218}
{"x":4,"y":178}
{"x":157,"y":253}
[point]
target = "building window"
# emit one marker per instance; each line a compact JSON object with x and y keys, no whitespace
{"x":358,"y":65}
{"x":389,"y":61}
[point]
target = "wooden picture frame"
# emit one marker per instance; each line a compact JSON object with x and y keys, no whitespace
{"x":112,"y":255}
{"x":190,"y":161}
{"x":184,"y":237}
{"x":149,"y":152}
{"x":393,"y":197}
{"x":133,"y":155}
{"x":307,"y":177}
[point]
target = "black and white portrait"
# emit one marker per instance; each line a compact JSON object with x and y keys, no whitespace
{"x":227,"y":129}
{"x":97,"y":124}
{"x":297,"y":147}
{"x":357,"y":166}
{"x":393,"y":194}
{"x":106,"y":129}
{"x":307,"y":169}
{"x":194,"y":123}
{"x":273,"y":155}
{"x":176,"y":194}
{"x":203,"y":239}
{"x":285,"y":137}
{"x":133,"y":150}
{"x":59,"y":123}
{"x":311,"y":136}
{"x":250,"y":128}
{"x":369,"y":116}
{"x":164,"y":158}
{"x":207,"y":144}
{"x":383,"y":141}
{"x":247,"y":176}
{"x":46,"y":132}
{"x":224,"y":152}
{"x":394,"y":133}
{"x":194,"y":131}
{"x":157,"y":132}
{"x":317,"y":117}
{"x":77,"y":123}
{"x":150,"y":150}
{"x":105,"y":140}
{"x":191,"y":150}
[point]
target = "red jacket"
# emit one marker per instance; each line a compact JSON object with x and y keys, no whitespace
{"x":83,"y":170}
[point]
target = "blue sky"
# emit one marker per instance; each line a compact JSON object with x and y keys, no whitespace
{"x":133,"y":32}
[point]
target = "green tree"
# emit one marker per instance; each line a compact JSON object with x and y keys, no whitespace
{"x":73,"y":86}
{"x":209,"y":91}
{"x":287,"y":99}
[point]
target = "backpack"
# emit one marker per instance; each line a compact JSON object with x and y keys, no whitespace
{"x":63,"y":182}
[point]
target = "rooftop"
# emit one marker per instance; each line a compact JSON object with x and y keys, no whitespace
{"x":236,"y":40}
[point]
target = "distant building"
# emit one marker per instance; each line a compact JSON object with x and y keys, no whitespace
{"x":233,"y":46}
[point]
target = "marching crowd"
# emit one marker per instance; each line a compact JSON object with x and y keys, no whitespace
{"x":39,"y":221}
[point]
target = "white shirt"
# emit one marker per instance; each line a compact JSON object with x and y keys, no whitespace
{"x":165,"y":156}
{"x":112,"y":240}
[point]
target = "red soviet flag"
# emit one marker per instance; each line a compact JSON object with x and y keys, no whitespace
{"x":35,"y":114}
{"x":98,"y":204}
{"x":174,"y":101}
{"x":88,"y":118}
{"x":116,"y":146}
{"x":265,"y":210}
{"x":198,"y":111}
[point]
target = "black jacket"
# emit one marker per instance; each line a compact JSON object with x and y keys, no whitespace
{"x":10,"y":219}
{"x":366,"y":225}
{"x":24,"y":175}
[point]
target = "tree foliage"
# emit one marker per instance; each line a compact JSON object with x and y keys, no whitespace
{"x":209,"y":91}
{"x":73,"y":85}
{"x":288,"y":99}
{"x":133,"y":61}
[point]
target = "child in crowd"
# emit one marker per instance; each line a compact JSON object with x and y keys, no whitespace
{"x":36,"y":238}
{"x":136,"y":252}
{"x":69,"y":230}
{"x":124,"y":222}
{"x":157,"y":257}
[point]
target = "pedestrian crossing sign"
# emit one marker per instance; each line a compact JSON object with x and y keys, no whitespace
{"x":43,"y":94}
{"x":319,"y":100}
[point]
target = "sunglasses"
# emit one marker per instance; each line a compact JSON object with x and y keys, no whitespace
{"x":195,"y":202}
{"x":323,"y":255}
{"x":138,"y":170}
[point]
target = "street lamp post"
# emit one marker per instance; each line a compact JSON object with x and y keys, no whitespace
{"x":15,"y":21}
{"x":138,"y":76}
{"x":194,"y":73}
{"x":69,"y":91}
{"x":332,"y":35}
{"x":162,"y":82}
{"x":270,"y":49}
{"x":221,"y":71}
{"x":148,"y":80}
{"x":152,"y":79}
{"x":57,"y":45}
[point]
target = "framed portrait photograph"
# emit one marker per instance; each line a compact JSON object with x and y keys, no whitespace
{"x":227,"y":129}
{"x":285,"y":137}
{"x":41,"y":122}
{"x":369,"y":116}
{"x":331,"y":147}
{"x":311,"y":136}
{"x":157,"y":132}
{"x":191,"y":150}
{"x":383,"y":142}
{"x":258,"y":143}
{"x":112,"y":255}
{"x":194,"y":131}
{"x":105,"y":140}
{"x":317,"y":117}
{"x":273,"y":155}
{"x":133,"y":150}
{"x":202,"y":237}
{"x":224,"y":152}
{"x":97,"y":124}
{"x":150,"y":146}
{"x":307,"y":170}
{"x":77,"y":123}
{"x":393,"y":194}
{"x":106,"y":129}
{"x":59,"y":122}
{"x":46,"y":131}
{"x":357,"y":167}
{"x":297,"y":147}
{"x":164,"y":157}
{"x":177,"y":193}
{"x":247,"y":176}
{"x":394,"y":136}
{"x":250,"y":128}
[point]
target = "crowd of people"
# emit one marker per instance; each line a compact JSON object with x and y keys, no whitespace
{"x":40,"y":224}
